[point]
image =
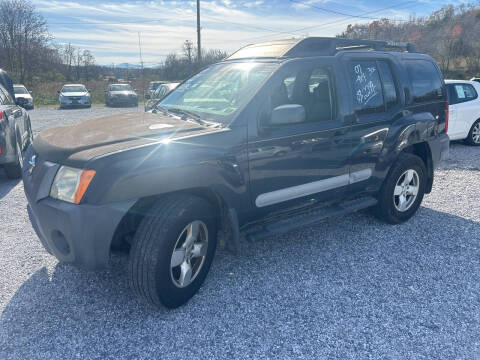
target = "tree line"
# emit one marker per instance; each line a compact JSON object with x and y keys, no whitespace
{"x":449,"y":35}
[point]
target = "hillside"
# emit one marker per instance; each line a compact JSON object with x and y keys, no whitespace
{"x":449,"y":34}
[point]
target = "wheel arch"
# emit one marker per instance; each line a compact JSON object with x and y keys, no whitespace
{"x":125,"y":231}
{"x":423,"y":151}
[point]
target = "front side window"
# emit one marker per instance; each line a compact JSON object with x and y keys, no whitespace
{"x":458,"y":93}
{"x":367,"y":88}
{"x":219,"y":91}
{"x":311,"y":88}
{"x":426,"y":83}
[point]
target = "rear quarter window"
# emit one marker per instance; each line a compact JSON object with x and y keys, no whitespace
{"x":458,"y":93}
{"x":427,"y":84}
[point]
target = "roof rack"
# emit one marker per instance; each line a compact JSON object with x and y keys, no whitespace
{"x":315,"y":46}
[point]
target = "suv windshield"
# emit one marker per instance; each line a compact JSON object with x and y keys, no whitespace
{"x":20,"y":90}
{"x":220,"y":90}
{"x":73,"y":88}
{"x":120,"y":88}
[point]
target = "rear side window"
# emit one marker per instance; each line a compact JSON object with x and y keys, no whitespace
{"x":458,"y":93}
{"x":367,"y":88}
{"x":389,"y":88}
{"x":425,"y":79}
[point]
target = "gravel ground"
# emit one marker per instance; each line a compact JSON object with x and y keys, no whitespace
{"x":348,"y":289}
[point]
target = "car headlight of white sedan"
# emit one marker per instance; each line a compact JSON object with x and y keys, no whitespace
{"x":70,"y":184}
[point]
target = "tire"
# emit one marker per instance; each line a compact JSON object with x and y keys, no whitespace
{"x":14,"y":171}
{"x":474,"y":134}
{"x":151,"y":276}
{"x":390,"y":207}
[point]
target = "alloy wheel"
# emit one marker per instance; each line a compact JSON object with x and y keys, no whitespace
{"x":406,"y":190}
{"x":476,"y":133}
{"x":189,"y":254}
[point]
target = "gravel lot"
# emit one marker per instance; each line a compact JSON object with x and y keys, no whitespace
{"x":348,"y":289}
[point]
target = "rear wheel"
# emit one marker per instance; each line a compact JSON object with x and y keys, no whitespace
{"x":474,"y":134}
{"x":172,"y":251}
{"x":402,"y":192}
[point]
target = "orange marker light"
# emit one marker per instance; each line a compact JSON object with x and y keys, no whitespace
{"x":85,"y":179}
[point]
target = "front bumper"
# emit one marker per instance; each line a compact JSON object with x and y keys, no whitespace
{"x":122,"y":100}
{"x":77,"y":234}
{"x":67,"y":102}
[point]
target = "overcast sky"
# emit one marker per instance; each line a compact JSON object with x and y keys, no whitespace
{"x":110,"y":28}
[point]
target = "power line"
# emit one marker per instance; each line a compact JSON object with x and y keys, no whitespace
{"x":330,"y":23}
{"x":335,"y":11}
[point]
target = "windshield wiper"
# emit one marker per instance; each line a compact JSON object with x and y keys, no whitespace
{"x":192,"y":116}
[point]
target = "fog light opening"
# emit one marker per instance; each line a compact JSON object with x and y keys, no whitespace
{"x":60,"y":243}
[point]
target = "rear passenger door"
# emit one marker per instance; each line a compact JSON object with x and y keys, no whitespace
{"x":376,"y":104}
{"x":299,"y":164}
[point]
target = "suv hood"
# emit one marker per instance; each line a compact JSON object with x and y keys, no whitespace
{"x":125,"y":92}
{"x":75,"y":144}
{"x":23,"y":96}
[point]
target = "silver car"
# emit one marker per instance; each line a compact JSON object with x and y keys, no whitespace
{"x":74,"y":95}
{"x":121,"y":95}
{"x":162,"y":91}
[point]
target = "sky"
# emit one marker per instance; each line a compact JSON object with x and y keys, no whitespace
{"x":110,"y":28}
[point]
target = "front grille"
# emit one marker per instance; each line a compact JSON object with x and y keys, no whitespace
{"x":74,"y":97}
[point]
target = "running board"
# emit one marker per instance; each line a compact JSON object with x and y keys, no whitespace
{"x":285,"y":225}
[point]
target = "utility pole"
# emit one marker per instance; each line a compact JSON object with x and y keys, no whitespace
{"x":199,"y":44}
{"x":141,"y":63}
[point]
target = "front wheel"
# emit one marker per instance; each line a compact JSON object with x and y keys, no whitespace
{"x":402,"y":192}
{"x":172,"y":250}
{"x":474,"y":134}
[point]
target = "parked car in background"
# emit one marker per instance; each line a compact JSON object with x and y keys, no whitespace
{"x":464,"y":121}
{"x":23,"y":97}
{"x":121,"y":95}
{"x":159,"y":94}
{"x":74,"y":95}
{"x":15,"y":134}
{"x":152,"y":86}
{"x":238,"y":147}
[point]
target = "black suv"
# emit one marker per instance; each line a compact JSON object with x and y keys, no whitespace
{"x":15,"y":130}
{"x":278,"y":135}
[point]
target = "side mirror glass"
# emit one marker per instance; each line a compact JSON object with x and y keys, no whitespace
{"x":287,"y":114}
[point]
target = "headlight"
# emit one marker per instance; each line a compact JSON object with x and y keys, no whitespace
{"x":70,"y":184}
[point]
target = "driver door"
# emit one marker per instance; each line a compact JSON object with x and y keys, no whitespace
{"x":303,"y":163}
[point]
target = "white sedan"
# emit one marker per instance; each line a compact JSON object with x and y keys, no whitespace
{"x":464,"y":110}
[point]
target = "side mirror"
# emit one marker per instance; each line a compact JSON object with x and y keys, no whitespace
{"x":288,"y":114}
{"x":31,"y":92}
{"x":147,"y":96}
{"x":58,"y":92}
